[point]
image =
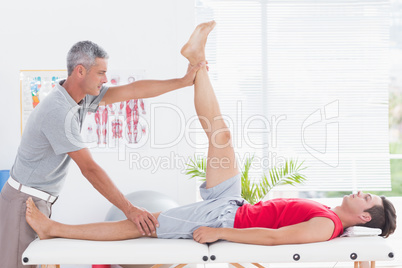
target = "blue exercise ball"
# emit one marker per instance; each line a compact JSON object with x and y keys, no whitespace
{"x":150,"y":200}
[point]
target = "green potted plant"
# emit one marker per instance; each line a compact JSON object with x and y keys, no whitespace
{"x":252,"y":192}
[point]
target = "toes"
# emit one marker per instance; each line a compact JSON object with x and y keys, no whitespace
{"x":30,"y":205}
{"x":28,"y":202}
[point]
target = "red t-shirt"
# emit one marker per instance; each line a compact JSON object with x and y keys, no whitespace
{"x":280,"y":212}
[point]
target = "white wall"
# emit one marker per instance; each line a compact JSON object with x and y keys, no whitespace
{"x":137,"y":35}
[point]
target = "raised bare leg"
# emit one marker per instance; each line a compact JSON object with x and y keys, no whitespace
{"x":104,"y":231}
{"x":221,"y":162}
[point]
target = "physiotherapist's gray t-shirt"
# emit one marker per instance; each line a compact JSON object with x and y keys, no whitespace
{"x":53,"y":130}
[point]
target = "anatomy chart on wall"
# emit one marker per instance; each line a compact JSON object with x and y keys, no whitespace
{"x":34,"y":87}
{"x":118,"y":124}
{"x":111,"y":127}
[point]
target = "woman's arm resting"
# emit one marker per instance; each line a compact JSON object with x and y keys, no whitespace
{"x":315,"y":230}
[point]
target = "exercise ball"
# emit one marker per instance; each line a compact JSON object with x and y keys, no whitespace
{"x":150,"y":200}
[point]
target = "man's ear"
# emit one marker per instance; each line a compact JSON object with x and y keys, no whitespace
{"x":80,"y":70}
{"x":365,"y":217}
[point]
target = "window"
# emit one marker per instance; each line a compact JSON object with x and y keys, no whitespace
{"x":308,"y":80}
{"x":395,"y":98}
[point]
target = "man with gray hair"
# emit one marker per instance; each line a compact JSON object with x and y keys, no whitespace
{"x":52,"y":138}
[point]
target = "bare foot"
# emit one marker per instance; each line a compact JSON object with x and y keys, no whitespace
{"x":194,"y":49}
{"x":37,"y":220}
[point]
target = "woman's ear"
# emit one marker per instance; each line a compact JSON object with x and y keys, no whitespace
{"x":365,"y":217}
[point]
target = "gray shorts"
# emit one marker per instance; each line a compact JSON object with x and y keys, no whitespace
{"x":217,"y":210}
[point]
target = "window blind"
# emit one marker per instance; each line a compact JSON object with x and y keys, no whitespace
{"x":308,"y":80}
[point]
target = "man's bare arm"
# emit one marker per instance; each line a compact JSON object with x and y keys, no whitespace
{"x":149,"y":88}
{"x":315,"y":230}
{"x":144,"y":220}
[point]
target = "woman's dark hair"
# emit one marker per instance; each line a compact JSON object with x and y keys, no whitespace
{"x":383,"y":217}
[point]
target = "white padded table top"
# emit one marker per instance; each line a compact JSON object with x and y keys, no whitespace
{"x":373,"y":248}
{"x":135,"y":251}
{"x":168,"y":251}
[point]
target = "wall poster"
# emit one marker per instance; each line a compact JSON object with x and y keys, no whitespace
{"x":111,"y":127}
